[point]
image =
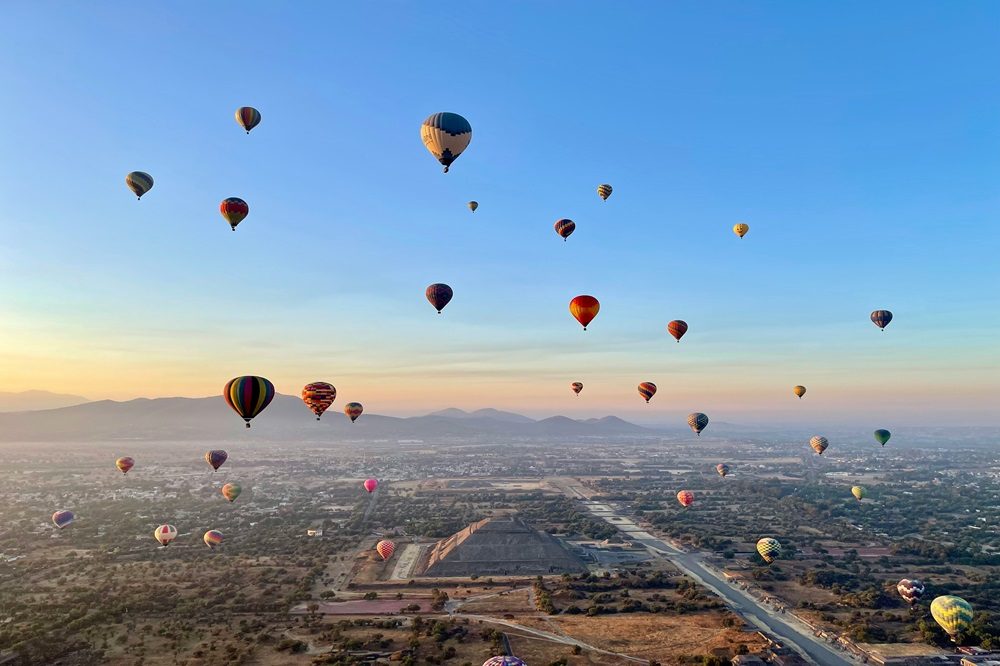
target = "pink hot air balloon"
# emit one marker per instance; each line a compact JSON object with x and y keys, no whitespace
{"x":371,"y":485}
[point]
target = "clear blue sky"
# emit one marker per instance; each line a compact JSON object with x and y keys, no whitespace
{"x":860,"y":141}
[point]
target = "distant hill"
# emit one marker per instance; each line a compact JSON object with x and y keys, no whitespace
{"x":210,"y":419}
{"x":26,"y":401}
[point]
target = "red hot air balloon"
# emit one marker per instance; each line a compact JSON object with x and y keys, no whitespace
{"x":584,"y":309}
{"x":685,"y":497}
{"x":235,"y":210}
{"x":577,"y":387}
{"x":385,"y":549}
{"x":318,"y":397}
{"x":565,"y":228}
{"x":371,"y":485}
{"x":439,"y":295}
{"x":647,"y":390}
{"x":677,"y":328}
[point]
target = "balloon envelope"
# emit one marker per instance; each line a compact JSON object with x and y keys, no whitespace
{"x":882,"y":436}
{"x":124,"y":464}
{"x":385,"y":549}
{"x":910,"y":589}
{"x":353,"y":410}
{"x":62,"y":518}
{"x":576,"y":387}
{"x":504,"y":660}
{"x":685,"y":497}
{"x":698,"y":422}
{"x":769,"y":549}
{"x":248,"y":117}
{"x":819,"y":444}
{"x":231,"y":491}
{"x":216,"y":458}
{"x":213,"y":538}
{"x":677,"y":328}
{"x":446,"y":135}
{"x":722,"y":469}
{"x":139,"y":182}
{"x":371,"y":485}
{"x":741,"y":229}
{"x":604,"y":191}
{"x":439,"y":295}
{"x":584,"y":309}
{"x":954,"y":614}
{"x":248,"y":396}
{"x":858,"y":492}
{"x":565,"y":228}
{"x":799,"y":391}
{"x":647,"y":390}
{"x":234,"y":210}
{"x":473,"y":205}
{"x":881,"y":318}
{"x":318,"y":397}
{"x":165,"y":534}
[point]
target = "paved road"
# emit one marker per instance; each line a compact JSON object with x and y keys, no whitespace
{"x":786,"y":628}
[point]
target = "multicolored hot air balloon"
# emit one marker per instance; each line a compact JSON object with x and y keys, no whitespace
{"x":769,"y":549}
{"x":235,"y":210}
{"x":722,"y":469}
{"x":954,"y":614}
{"x":213,"y":538}
{"x":858,"y":492}
{"x":819,"y":444}
{"x":439,"y":295}
{"x":910,"y":589}
{"x":353,"y":410}
{"x":677,"y":328}
{"x":318,"y":397}
{"x":248,"y":117}
{"x":504,"y":660}
{"x":698,"y":422}
{"x":799,"y":391}
{"x":685,"y":497}
{"x":215,"y":458}
{"x":124,"y":464}
{"x":446,"y":135}
{"x":62,"y":518}
{"x":165,"y":534}
{"x":385,"y":549}
{"x":647,"y":390}
{"x":565,"y":228}
{"x":473,"y":205}
{"x":604,"y":191}
{"x":371,"y":485}
{"x":882,"y":436}
{"x":139,"y":182}
{"x":881,"y":318}
{"x":231,"y":491}
{"x":248,"y":396}
{"x":584,"y":309}
{"x":741,"y":229}
{"x":576,"y":387}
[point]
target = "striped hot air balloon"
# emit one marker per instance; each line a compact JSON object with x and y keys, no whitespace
{"x":139,"y":182}
{"x":565,"y":228}
{"x":385,"y":549}
{"x":353,"y":410}
{"x":165,"y":534}
{"x":910,"y":589}
{"x":370,"y":485}
{"x":248,"y":396}
{"x":124,"y":464}
{"x":685,"y":497}
{"x":698,"y":422}
{"x":819,"y":444}
{"x":677,"y":328}
{"x":769,"y":549}
{"x":446,"y":135}
{"x":954,"y":614}
{"x":439,"y":295}
{"x":741,"y":229}
{"x":234,"y":210}
{"x":799,"y":391}
{"x":882,"y":436}
{"x":647,"y":390}
{"x":248,"y":117}
{"x":584,"y":309}
{"x":881,"y":318}
{"x":318,"y":397}
{"x":216,"y":458}
{"x":576,"y":387}
{"x":722,"y":469}
{"x":504,"y":660}
{"x":604,"y":191}
{"x":62,"y":518}
{"x":858,"y":492}
{"x":212,"y":538}
{"x":231,"y":491}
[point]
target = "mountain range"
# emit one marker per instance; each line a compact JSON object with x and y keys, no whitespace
{"x":210,"y":419}
{"x":24,"y":401}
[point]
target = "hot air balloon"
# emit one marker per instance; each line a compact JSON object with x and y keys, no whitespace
{"x":234,"y":210}
{"x":882,"y":436}
{"x":647,"y":390}
{"x":439,"y":295}
{"x":677,"y":328}
{"x":910,"y":589}
{"x":231,"y":491}
{"x":954,"y":614}
{"x":504,"y":660}
{"x":769,"y":549}
{"x":353,"y":410}
{"x":385,"y":549}
{"x":685,"y":497}
{"x":215,"y":458}
{"x":139,"y":182}
{"x":62,"y":518}
{"x":584,"y":308}
{"x":604,"y":191}
{"x":165,"y":534}
{"x":318,"y":397}
{"x":124,"y":464}
{"x":577,"y":387}
{"x":698,"y":422}
{"x":799,"y":391}
{"x":858,"y":492}
{"x":446,"y":135}
{"x":213,"y":538}
{"x":473,"y":205}
{"x":819,"y":444}
{"x":722,"y":469}
{"x":248,"y":117}
{"x":741,"y":229}
{"x":881,"y":318}
{"x":371,"y":485}
{"x":248,"y":396}
{"x":565,"y":227}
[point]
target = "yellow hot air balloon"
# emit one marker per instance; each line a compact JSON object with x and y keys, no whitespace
{"x":799,"y":391}
{"x":858,"y":492}
{"x":446,"y":135}
{"x":954,"y":614}
{"x":741,"y":229}
{"x":769,"y":549}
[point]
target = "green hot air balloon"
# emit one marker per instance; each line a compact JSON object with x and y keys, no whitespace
{"x":954,"y":614}
{"x":882,"y":436}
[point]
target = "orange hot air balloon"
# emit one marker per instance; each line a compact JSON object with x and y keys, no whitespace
{"x":124,"y":464}
{"x":353,"y":410}
{"x":371,"y":485}
{"x":677,"y":328}
{"x":799,"y":391}
{"x":647,"y":390}
{"x":385,"y":549}
{"x":565,"y":228}
{"x":577,"y":387}
{"x":685,"y":497}
{"x":584,"y":308}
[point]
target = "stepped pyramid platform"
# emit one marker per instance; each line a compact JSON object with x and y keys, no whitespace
{"x":500,"y":547}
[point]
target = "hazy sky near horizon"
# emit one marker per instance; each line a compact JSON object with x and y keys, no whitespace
{"x":861,"y":143}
